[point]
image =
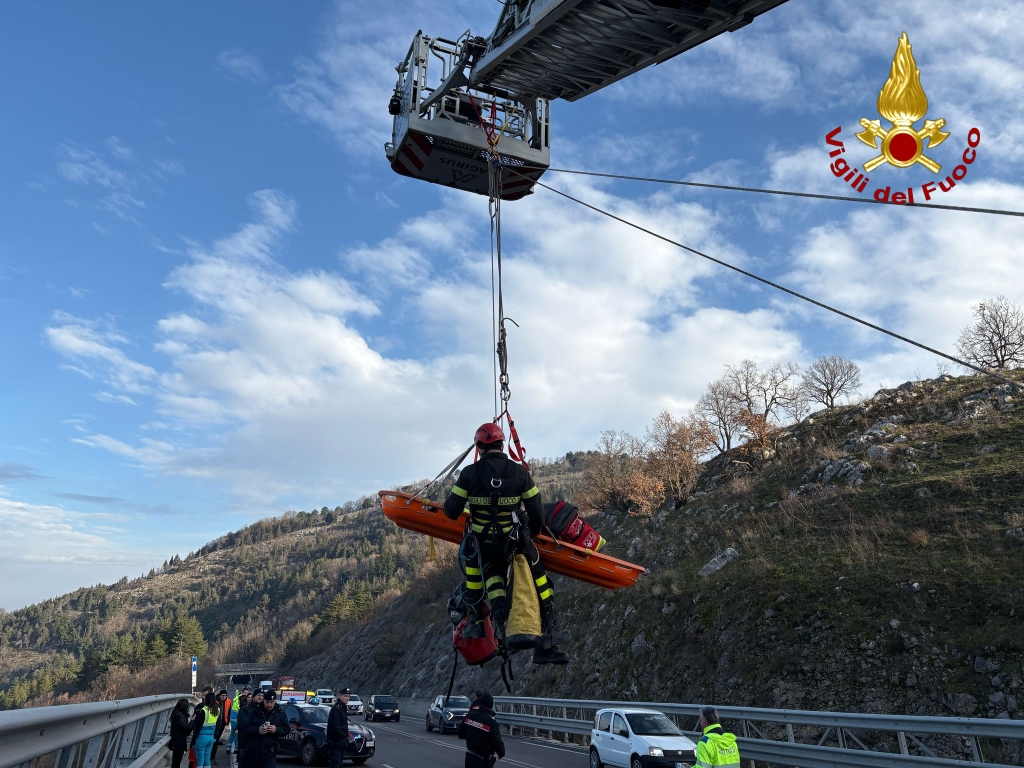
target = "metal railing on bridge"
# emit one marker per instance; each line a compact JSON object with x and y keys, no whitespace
{"x":130,"y":733}
{"x":786,"y":737}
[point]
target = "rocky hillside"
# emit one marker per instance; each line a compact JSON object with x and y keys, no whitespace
{"x":870,"y":562}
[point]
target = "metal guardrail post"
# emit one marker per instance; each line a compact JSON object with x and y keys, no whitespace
{"x":901,"y":737}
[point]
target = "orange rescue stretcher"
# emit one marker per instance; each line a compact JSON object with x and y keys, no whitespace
{"x":425,"y":516}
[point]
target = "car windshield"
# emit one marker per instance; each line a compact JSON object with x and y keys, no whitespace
{"x":458,"y":702}
{"x":652,"y":724}
{"x":386,"y":701}
{"x":315,"y":714}
{"x":324,"y":692}
{"x":353,"y":699}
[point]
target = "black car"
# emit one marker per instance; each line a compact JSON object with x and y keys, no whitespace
{"x":446,"y":715}
{"x":382,"y":708}
{"x":308,"y":737}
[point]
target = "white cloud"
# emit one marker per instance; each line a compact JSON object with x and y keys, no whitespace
{"x":45,"y":548}
{"x":907,"y":268}
{"x":90,"y":169}
{"x":345,"y":85}
{"x":119,"y":149}
{"x":819,"y":59}
{"x":169,"y":167}
{"x":240,"y":64}
{"x":95,"y":347}
{"x":285,"y":395}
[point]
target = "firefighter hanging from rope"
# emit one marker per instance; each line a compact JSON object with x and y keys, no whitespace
{"x":505,"y":512}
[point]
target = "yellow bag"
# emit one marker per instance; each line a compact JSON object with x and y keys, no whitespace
{"x":523,"y":627}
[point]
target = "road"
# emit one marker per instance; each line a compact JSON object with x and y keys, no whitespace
{"x":408,"y":745}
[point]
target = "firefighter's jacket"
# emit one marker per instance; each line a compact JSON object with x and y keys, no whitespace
{"x":716,"y":748}
{"x":494,"y":488}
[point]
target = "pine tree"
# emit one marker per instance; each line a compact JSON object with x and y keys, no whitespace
{"x":188,"y":637}
{"x":157,"y":649}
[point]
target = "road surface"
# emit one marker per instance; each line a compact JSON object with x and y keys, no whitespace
{"x":408,"y":745}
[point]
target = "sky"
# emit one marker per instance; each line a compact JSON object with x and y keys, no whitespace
{"x":219,"y":303}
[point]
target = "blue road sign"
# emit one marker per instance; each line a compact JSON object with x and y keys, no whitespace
{"x":194,"y":661}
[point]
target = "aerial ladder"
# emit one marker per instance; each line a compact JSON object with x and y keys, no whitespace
{"x":461,"y":104}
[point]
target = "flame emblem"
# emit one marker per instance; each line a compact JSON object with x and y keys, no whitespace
{"x":902,"y":101}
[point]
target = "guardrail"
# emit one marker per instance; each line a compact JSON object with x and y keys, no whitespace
{"x":774,"y":736}
{"x":131,"y":733}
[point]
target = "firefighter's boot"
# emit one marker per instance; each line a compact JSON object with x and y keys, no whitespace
{"x":547,"y":653}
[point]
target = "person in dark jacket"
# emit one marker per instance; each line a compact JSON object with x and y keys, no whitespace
{"x":181,"y":729}
{"x":500,"y":493}
{"x":267,"y":724}
{"x":481,"y":733}
{"x":222,"y":722}
{"x":337,"y":728}
{"x":244,"y":717}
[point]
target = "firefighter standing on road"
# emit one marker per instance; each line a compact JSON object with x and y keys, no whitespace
{"x":481,"y":733}
{"x":715,"y":748}
{"x":496,"y":489}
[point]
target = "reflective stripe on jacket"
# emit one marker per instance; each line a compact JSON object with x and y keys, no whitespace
{"x":716,"y":748}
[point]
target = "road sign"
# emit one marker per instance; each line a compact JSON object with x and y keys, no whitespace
{"x":195,"y":666}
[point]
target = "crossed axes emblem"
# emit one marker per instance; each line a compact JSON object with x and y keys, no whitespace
{"x":903,"y":134}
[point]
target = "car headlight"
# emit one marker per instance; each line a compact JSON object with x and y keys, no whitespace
{"x":448,"y":715}
{"x":396,"y":712}
{"x":376,"y":711}
{"x":656,"y":752}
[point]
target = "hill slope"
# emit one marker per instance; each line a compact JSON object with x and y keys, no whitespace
{"x":877,"y":568}
{"x":872,"y":562}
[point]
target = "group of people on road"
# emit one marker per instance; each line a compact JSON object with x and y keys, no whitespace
{"x":257,"y":722}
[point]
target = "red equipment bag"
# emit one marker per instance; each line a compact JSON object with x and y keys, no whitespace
{"x":191,"y":757}
{"x":479,"y":650}
{"x":564,"y":521}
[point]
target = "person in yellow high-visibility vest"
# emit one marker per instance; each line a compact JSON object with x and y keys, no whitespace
{"x":204,"y":724}
{"x":715,"y":748}
{"x":226,"y":704}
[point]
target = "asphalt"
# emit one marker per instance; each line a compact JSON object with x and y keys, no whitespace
{"x":408,"y":745}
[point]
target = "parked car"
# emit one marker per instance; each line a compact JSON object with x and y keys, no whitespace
{"x":382,"y":707}
{"x":325,"y":695}
{"x":307,"y":739}
{"x":266,"y":685}
{"x":355,"y":705}
{"x":638,"y":738}
{"x":446,"y":715}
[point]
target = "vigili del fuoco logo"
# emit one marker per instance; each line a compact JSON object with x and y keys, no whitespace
{"x":902,"y":102}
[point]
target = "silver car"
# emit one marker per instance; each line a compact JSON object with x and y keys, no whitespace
{"x":355,"y":706}
{"x":325,"y":695}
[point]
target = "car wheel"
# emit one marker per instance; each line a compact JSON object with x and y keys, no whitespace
{"x":430,"y":725}
{"x":398,"y":718}
{"x":595,"y":759}
{"x":308,"y":753}
{"x":636,"y":762}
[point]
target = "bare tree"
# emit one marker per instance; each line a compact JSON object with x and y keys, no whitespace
{"x":763,"y":392}
{"x":674,"y":450}
{"x":996,"y":338}
{"x":830,"y":378}
{"x":720,"y":411}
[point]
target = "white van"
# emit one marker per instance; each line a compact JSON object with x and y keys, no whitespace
{"x":638,"y":738}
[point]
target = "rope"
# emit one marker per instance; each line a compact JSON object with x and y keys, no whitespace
{"x":448,"y":471}
{"x":494,"y":192}
{"x":778,"y":287}
{"x":844,"y":198}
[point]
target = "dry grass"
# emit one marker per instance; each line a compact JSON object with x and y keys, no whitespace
{"x":918,"y":538}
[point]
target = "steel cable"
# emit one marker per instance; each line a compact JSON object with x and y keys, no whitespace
{"x":814,"y":195}
{"x":1014,"y":385}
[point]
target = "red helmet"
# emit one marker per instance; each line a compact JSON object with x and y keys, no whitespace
{"x":489,"y":433}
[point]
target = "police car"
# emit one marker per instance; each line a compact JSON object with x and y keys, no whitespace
{"x":307,"y":739}
{"x":638,"y":738}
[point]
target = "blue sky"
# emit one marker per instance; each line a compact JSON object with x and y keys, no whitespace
{"x":218,"y":302}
